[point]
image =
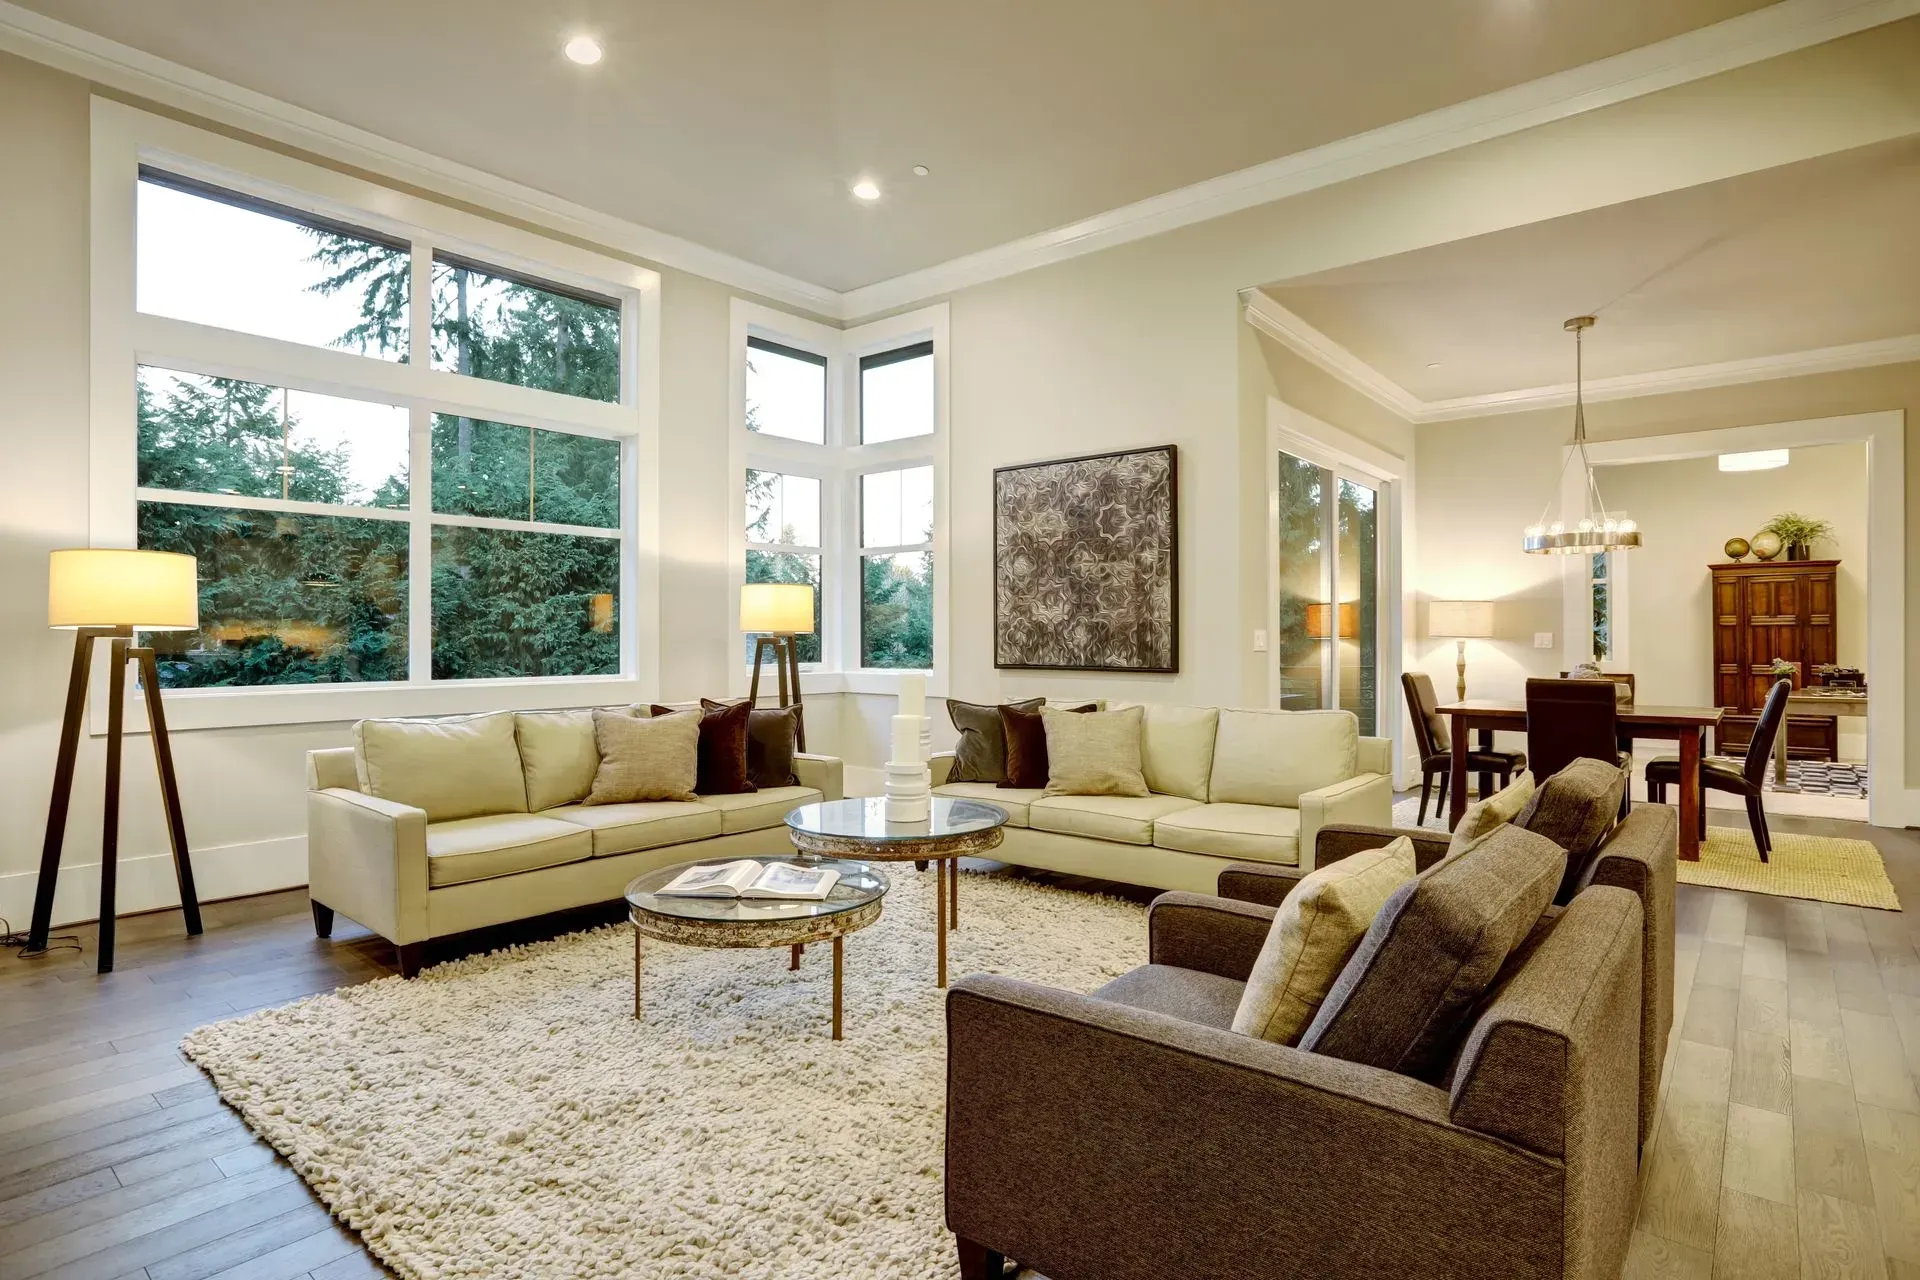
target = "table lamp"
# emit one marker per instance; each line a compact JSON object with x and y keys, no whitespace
{"x":1320,"y":615}
{"x":103,"y":594}
{"x":778,"y":612}
{"x":1460,"y":621}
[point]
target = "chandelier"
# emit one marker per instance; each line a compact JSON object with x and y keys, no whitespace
{"x":1596,"y":531}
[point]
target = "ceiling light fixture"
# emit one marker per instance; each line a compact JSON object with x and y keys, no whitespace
{"x":1596,"y":531}
{"x":921,"y":171}
{"x":584,"y":50}
{"x":866,"y":189}
{"x":1758,"y":460}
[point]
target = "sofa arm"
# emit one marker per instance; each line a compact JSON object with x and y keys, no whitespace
{"x":1213,"y":935}
{"x":940,"y":765}
{"x":1269,"y":883}
{"x":367,"y":859}
{"x":1090,"y":1138}
{"x":1365,"y":798}
{"x":825,"y":774}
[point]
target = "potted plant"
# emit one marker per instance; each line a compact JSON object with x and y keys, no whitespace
{"x":1798,"y":532}
{"x":1782,"y":669}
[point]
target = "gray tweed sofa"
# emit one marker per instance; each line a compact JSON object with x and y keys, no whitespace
{"x":1132,"y":1135}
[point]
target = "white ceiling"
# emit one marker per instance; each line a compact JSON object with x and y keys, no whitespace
{"x":1806,"y":256}
{"x":740,"y":125}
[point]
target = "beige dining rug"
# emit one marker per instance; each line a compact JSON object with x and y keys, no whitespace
{"x":1823,"y":868}
{"x":504,"y":1116}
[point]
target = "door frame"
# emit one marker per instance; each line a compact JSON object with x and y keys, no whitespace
{"x":1890,"y":802}
{"x":1301,"y":434}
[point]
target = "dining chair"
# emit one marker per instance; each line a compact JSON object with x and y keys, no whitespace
{"x":1746,"y":778}
{"x":1431,"y":734}
{"x":1570,"y":720}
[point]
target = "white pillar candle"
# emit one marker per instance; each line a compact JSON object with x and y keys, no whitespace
{"x":906,"y":740}
{"x":913,"y":694}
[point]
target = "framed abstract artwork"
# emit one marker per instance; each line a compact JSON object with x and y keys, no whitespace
{"x":1086,"y":563}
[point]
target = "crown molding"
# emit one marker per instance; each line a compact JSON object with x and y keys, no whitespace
{"x":127,"y":70}
{"x":1281,"y":323}
{"x":1749,"y":38}
{"x":1737,"y":42}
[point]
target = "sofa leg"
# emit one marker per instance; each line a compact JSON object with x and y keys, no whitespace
{"x":977,"y":1262}
{"x":413,"y":957}
{"x":322,"y":920}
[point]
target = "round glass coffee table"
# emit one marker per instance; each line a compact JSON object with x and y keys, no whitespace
{"x":852,"y":904}
{"x":858,"y":828}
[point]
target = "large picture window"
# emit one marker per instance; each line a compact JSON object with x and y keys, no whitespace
{"x":466,"y":517}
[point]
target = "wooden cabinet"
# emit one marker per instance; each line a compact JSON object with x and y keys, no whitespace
{"x":1763,"y":610}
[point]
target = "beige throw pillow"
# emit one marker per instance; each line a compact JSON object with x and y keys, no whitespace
{"x":1319,"y":925}
{"x":1502,"y":807}
{"x":1271,"y":757}
{"x":1093,"y":753}
{"x":652,"y":759}
{"x":1176,"y":749}
{"x":459,"y":767}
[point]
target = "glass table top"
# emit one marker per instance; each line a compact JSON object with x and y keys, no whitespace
{"x":859,"y":884}
{"x":865,"y":818}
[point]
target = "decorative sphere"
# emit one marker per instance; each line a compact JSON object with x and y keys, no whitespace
{"x":1737,"y":548}
{"x":1767,"y":545}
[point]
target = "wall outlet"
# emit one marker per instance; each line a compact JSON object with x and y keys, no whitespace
{"x":1259,"y":642}
{"x":1543,"y":639}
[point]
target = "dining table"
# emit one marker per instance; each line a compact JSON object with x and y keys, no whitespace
{"x":1686,"y":725}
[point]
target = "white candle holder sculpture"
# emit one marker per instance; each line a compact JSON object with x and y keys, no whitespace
{"x":909,"y":782}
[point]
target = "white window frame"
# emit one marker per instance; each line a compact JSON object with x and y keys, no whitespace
{"x":125,"y":138}
{"x":838,"y":463}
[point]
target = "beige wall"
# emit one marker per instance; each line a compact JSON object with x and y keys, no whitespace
{"x":1483,"y":480}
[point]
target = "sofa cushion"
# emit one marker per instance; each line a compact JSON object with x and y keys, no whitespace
{"x":1093,"y":753}
{"x":1402,"y":1001}
{"x":722,"y":768}
{"x":1013,"y":800}
{"x":1482,"y":816}
{"x":557,"y":755}
{"x":499,"y":844}
{"x":759,"y":810}
{"x":457,"y":767}
{"x":1026,"y":735}
{"x":1186,"y":994}
{"x":646,"y":824}
{"x":1127,"y":819}
{"x":1575,"y":809}
{"x":1256,"y":832}
{"x":980,"y":754}
{"x":1176,"y":749}
{"x":773,"y":737}
{"x":656,"y":758}
{"x":1270,"y":757}
{"x":1315,"y":931}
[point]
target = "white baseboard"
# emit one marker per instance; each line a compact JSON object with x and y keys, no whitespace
{"x":865,"y":780}
{"x":146,"y":883}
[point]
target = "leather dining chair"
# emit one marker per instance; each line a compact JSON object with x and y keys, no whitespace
{"x":1435,"y":740}
{"x":1569,"y":720}
{"x":1746,"y":778}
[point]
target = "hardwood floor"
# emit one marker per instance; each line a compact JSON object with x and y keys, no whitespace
{"x":1788,"y":1142}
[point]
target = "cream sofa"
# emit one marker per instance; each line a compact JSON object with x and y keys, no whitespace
{"x":1229,"y":785}
{"x":412,"y":872}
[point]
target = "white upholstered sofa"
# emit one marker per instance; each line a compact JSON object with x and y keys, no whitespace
{"x":498,"y":833}
{"x":1229,"y":785}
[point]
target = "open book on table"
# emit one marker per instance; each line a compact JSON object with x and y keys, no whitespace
{"x":749,"y":879}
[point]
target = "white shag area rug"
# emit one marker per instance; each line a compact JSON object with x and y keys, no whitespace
{"x":504,"y":1116}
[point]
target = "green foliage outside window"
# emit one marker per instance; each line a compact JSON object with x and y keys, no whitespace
{"x":896,"y":610}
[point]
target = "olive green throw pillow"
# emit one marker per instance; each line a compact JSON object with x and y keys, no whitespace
{"x":1319,"y":925}
{"x":1093,"y":753}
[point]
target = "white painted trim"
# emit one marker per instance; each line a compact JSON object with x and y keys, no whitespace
{"x":1266,"y":314}
{"x":145,"y":880}
{"x":1890,"y":803}
{"x":1737,"y":42}
{"x":1740,"y":41}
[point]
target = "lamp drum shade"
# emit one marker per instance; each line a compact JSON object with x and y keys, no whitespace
{"x":102,"y":587}
{"x":778,"y":608}
{"x":1460,"y":619}
{"x":1318,"y":616}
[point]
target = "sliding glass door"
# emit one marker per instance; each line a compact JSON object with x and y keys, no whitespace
{"x":1328,"y":556}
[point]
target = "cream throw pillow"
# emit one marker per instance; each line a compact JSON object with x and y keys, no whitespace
{"x":459,"y":767}
{"x":558,"y":755}
{"x":1093,"y":753}
{"x":1319,"y":925}
{"x":1271,"y":757}
{"x":1176,"y":749}
{"x":1498,"y":809}
{"x":653,"y":759}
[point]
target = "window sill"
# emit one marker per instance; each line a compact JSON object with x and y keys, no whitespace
{"x":193,"y":709}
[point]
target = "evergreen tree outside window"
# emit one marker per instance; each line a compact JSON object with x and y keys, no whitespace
{"x":896,"y":568}
{"x":783,"y":541}
{"x":489,"y":324}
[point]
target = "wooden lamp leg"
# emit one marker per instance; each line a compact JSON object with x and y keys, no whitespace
{"x":799,"y":712}
{"x":62,"y":784}
{"x":169,"y":791}
{"x":110,"y":807}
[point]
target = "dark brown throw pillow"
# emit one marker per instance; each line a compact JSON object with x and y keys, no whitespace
{"x":981,"y":755}
{"x":723,"y":749}
{"x":772,"y":733}
{"x":1026,"y":734}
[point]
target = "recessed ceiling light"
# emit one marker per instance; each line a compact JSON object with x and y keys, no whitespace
{"x":866,"y":189}
{"x":921,"y":171}
{"x":584,"y":50}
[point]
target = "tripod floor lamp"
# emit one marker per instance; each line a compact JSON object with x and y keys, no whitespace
{"x":104,"y":595}
{"x":779,"y":612}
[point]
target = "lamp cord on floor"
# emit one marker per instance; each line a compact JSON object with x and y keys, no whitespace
{"x":10,"y":938}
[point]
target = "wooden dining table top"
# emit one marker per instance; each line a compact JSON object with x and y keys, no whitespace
{"x":1644,"y":713}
